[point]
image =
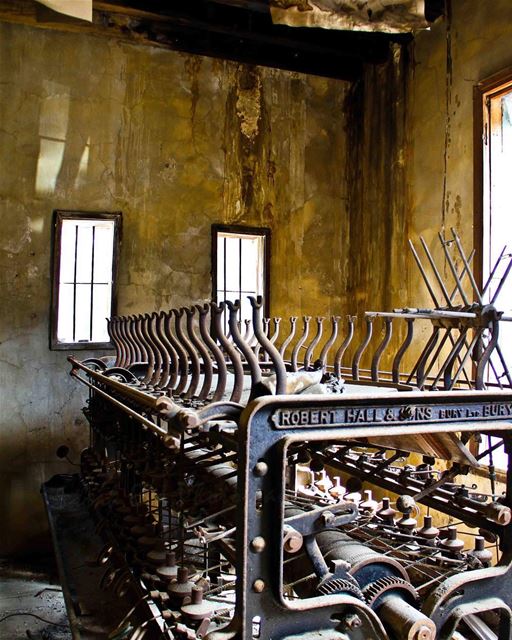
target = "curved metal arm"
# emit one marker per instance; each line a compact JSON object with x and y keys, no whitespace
{"x":273,"y":353}
{"x":300,"y":342}
{"x":203,"y":352}
{"x":236,"y":362}
{"x":310,"y":350}
{"x":222,"y":370}
{"x":343,"y":347}
{"x":252,"y":360}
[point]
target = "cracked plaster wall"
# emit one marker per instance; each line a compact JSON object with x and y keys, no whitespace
{"x":342,"y":175}
{"x":176,"y":142}
{"x":447,"y":65}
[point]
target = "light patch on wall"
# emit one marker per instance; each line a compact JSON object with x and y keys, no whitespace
{"x":81,"y":176}
{"x":37,"y":224}
{"x":53,"y":126}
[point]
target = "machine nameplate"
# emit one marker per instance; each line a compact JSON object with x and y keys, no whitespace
{"x":340,"y":417}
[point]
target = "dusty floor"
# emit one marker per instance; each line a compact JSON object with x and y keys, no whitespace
{"x":31,"y":602}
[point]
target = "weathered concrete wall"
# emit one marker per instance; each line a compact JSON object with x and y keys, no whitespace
{"x":175,"y":142}
{"x":342,"y":175}
{"x":448,"y":62}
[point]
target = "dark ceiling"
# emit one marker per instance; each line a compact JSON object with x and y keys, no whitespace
{"x":242,"y":30}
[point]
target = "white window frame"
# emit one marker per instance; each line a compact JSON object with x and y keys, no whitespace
{"x":220,"y":292}
{"x":57,"y":342}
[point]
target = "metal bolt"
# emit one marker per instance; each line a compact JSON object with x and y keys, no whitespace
{"x":260,"y":469}
{"x":292,"y":539}
{"x":423,"y":633}
{"x":326,"y":517}
{"x":258,"y":544}
{"x":338,"y":566}
{"x":258,"y":585}
{"x":352,"y":621}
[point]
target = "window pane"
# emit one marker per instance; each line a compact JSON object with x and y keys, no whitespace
{"x":83,"y":313}
{"x":103,"y":251}
{"x":84,"y":253}
{"x":101,"y":311}
{"x":67,"y":251}
{"x":220,"y":263}
{"x":252,"y":265}
{"x":65,"y":315}
{"x":232,"y":264}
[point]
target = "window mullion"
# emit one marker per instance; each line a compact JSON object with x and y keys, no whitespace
{"x":92,"y":283}
{"x":74,"y":283}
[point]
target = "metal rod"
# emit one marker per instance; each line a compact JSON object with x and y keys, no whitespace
{"x":424,"y":274}
{"x":451,"y":264}
{"x":466,"y":266}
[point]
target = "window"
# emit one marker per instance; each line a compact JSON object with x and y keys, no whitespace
{"x":493,"y":231}
{"x":85,"y":253}
{"x":494,"y":191}
{"x":240,"y":265}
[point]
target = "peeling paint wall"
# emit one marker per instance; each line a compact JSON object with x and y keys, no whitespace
{"x":448,"y":62}
{"x":342,"y":175}
{"x":176,"y":142}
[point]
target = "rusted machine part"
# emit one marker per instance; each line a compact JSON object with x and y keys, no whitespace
{"x":496,"y":512}
{"x":220,"y":363}
{"x":356,"y":361}
{"x":179,"y":362}
{"x":161,"y":356}
{"x":172,"y":333}
{"x":275,"y":335}
{"x":312,"y":345}
{"x":132,"y":352}
{"x":245,"y":349}
{"x":289,"y":338}
{"x":139,"y":328}
{"x":296,"y":349}
{"x":419,"y":369}
{"x":163,"y":347}
{"x":231,"y":352}
{"x":139,"y":346}
{"x":190,"y":390}
{"x":248,"y":335}
{"x":330,"y":342}
{"x":402,"y":350}
{"x":203,"y":352}
{"x":486,"y":356}
{"x":268,"y":346}
{"x":170,"y":375}
{"x":344,"y":345}
{"x":380,"y":349}
{"x":404,"y":621}
{"x":183,"y":418}
{"x":366,"y":565}
{"x":114,"y":338}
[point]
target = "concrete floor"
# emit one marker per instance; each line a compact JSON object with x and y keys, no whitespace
{"x":31,"y":587}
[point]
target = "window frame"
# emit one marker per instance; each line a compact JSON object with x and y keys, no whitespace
{"x":242,"y":230}
{"x":60,"y":215}
{"x":492,"y":84}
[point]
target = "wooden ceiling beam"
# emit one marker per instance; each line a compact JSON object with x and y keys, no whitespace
{"x":218,"y":29}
